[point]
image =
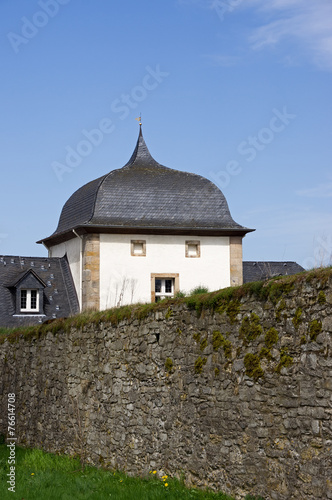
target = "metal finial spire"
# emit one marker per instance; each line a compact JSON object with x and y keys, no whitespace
{"x":139,"y":119}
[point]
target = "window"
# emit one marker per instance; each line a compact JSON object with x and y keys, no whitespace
{"x":193,"y":248}
{"x":164,"y":288}
{"x":138,"y":248}
{"x":29,"y":301}
{"x":164,"y":285}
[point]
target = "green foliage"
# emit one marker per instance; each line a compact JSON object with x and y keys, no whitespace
{"x":252,"y":366}
{"x":285,"y":359}
{"x":203,"y":345}
{"x":169,"y":366}
{"x":297,"y":318}
{"x":265,"y":353}
{"x":232,"y":310}
{"x":315,"y":327}
{"x":280,"y":287}
{"x":197,"y":337}
{"x":169,"y":313}
{"x":216,"y":371}
{"x":199,"y":363}
{"x":218,"y":340}
{"x":42,"y":475}
{"x":180,"y":295}
{"x":199,"y":289}
{"x":271,"y":338}
{"x":321,"y":299}
{"x":250,"y":328}
{"x":280,"y":308}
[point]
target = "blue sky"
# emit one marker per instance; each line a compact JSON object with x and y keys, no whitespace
{"x":238,"y":91}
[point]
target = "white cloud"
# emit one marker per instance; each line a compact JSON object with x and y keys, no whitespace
{"x":308,"y":23}
{"x":320,"y":191}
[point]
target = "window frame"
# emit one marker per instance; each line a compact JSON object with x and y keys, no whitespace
{"x":175,"y":277}
{"x":132,"y":248}
{"x":197,"y":243}
{"x":28,"y":297}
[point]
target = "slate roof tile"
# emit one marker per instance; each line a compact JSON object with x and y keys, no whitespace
{"x":146,"y":195}
{"x":258,"y":271}
{"x":60,"y":299}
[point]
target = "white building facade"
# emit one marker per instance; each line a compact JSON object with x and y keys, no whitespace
{"x":145,"y":232}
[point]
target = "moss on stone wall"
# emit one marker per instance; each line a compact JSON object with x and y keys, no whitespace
{"x":285,"y":360}
{"x":250,"y":328}
{"x":252,"y":366}
{"x":297,"y":317}
{"x":315,"y":327}
{"x":321,"y":299}
{"x":271,"y":337}
{"x":199,"y":364}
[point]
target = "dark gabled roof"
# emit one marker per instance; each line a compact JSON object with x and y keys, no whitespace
{"x":60,"y":299}
{"x":22,"y":277}
{"x":258,"y":271}
{"x":146,"y":196}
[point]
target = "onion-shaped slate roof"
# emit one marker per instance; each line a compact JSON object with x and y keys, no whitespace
{"x":144,"y":196}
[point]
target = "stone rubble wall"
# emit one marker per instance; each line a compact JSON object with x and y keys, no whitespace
{"x":177,"y":392}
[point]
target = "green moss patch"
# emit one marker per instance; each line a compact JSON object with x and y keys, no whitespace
{"x":297,"y":318}
{"x":265,"y":353}
{"x":315,"y":327}
{"x":321,"y":299}
{"x":169,"y":366}
{"x":271,"y":338}
{"x":281,"y":307}
{"x":218,"y":340}
{"x":250,"y":328}
{"x":252,"y":366}
{"x":285,"y":360}
{"x":199,"y":364}
{"x":203,"y":344}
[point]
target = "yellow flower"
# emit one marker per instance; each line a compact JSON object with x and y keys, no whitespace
{"x":154,"y":472}
{"x":166,"y":484}
{"x":32,"y":473}
{"x":164,"y":478}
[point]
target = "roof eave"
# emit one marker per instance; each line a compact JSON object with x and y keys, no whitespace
{"x":199,"y":231}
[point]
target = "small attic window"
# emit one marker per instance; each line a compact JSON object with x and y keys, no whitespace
{"x":138,"y":248}
{"x":193,"y":248}
{"x":29,"y":301}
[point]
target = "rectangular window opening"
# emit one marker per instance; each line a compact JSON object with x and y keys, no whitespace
{"x":193,"y":249}
{"x":29,"y":301}
{"x":138,"y":248}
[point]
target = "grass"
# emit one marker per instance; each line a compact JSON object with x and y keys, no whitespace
{"x":43,"y":476}
{"x":225,"y":300}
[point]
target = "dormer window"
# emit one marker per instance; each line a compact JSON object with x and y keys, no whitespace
{"x":29,"y":301}
{"x":28,"y":293}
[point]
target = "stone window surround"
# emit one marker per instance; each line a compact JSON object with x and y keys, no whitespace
{"x":132,"y":248}
{"x":175,"y":276}
{"x":198,"y":245}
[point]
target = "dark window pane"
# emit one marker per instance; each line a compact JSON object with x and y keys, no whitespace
{"x":168,"y":286}
{"x":158,"y":286}
{"x":157,"y":299}
{"x":23,"y":299}
{"x":33,"y":299}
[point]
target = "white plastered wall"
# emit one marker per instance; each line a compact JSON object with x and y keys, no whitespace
{"x":73,"y":250}
{"x":120,"y":271}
